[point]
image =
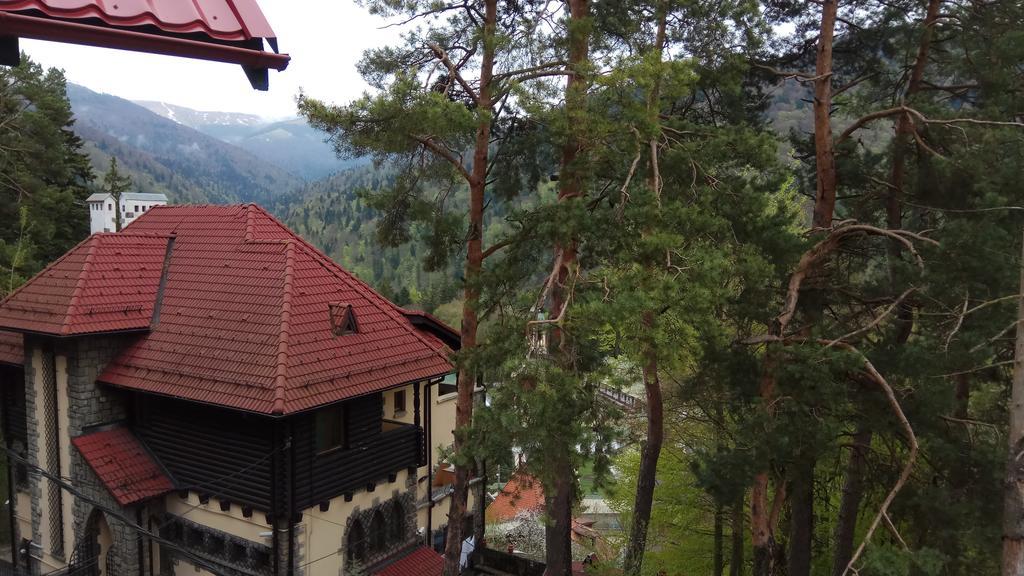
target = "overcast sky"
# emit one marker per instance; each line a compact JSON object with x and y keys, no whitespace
{"x":324,"y":37}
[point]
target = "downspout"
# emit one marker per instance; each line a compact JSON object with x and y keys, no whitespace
{"x":11,"y":475}
{"x":430,"y":466}
{"x":275,"y":497}
{"x":289,"y":471}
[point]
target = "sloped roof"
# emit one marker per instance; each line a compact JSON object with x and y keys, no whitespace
{"x":123,"y":465}
{"x":12,"y":349}
{"x":107,"y":283}
{"x":522,"y":494}
{"x":221,"y":30}
{"x":244,"y":320}
{"x":421,"y":561}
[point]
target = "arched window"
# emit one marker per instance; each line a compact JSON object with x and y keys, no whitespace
{"x":397,"y":526}
{"x":378,"y":534}
{"x":355,"y":546}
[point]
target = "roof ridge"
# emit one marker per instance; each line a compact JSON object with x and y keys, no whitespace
{"x":76,"y":294}
{"x":282,"y":339}
{"x":249,"y":225}
{"x":388,"y":307}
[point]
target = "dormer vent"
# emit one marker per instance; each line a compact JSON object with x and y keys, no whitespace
{"x":343,"y":319}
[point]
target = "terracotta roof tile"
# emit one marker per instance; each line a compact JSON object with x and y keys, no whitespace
{"x":522,"y":493}
{"x":421,"y":561}
{"x":11,"y":348}
{"x":244,"y":320}
{"x":107,"y":283}
{"x":123,"y":465}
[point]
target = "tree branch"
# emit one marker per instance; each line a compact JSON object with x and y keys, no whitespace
{"x":441,"y":55}
{"x":429,"y":143}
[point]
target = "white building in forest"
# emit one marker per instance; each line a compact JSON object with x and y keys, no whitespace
{"x":133,"y":205}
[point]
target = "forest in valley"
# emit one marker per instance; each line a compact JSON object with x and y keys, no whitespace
{"x":792,"y":230}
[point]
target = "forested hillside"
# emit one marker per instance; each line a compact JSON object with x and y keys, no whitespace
{"x":164,"y":156}
{"x":45,"y":175}
{"x":290,"y":144}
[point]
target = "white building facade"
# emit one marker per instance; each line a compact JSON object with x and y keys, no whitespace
{"x":133,"y":204}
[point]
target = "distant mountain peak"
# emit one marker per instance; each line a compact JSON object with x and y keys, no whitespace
{"x":200,"y":118}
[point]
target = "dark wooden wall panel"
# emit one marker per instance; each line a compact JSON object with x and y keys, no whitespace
{"x":12,"y":397}
{"x":219,"y":452}
{"x":371,"y":455}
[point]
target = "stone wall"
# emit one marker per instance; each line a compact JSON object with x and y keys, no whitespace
{"x":88,"y":404}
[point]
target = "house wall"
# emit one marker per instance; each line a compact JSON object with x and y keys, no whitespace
{"x":61,"y":401}
{"x":102,"y":219}
{"x":224,"y":453}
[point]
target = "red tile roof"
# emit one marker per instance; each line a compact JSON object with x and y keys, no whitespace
{"x":421,"y":561}
{"x":123,"y":465}
{"x":219,"y":19}
{"x":107,"y":283}
{"x":244,"y":320}
{"x":522,"y":493}
{"x":11,"y":348}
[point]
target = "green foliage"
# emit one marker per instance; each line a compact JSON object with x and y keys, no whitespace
{"x":44,"y":176}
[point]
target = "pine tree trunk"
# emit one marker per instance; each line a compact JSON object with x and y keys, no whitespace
{"x":559,"y":502}
{"x":719,"y":545}
{"x":801,"y":526}
{"x":474,"y":266}
{"x":736,"y":561}
{"x":849,"y":503}
{"x":824,"y":154}
{"x":1013,"y":488}
{"x":117,"y":211}
{"x":650,"y":451}
{"x":558,"y":531}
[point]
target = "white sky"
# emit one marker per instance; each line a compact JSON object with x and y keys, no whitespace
{"x":324,"y":37}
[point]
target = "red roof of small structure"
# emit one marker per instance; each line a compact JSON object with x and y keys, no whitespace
{"x":107,"y":283}
{"x":123,"y":465}
{"x":221,"y":30}
{"x":244,"y":320}
{"x":522,"y":493}
{"x":422,"y":561}
{"x":11,"y":348}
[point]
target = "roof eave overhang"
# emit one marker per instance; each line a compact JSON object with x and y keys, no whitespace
{"x":75,"y":335}
{"x":256,"y":63}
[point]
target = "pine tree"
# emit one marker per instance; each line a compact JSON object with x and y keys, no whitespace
{"x":115,"y":184}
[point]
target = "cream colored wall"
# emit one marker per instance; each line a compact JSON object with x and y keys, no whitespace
{"x":64,"y":439}
{"x":406,"y":417}
{"x":43,"y":450}
{"x":209,"y":514}
{"x":442,"y":421}
{"x":24,"y":513}
{"x":323,"y":533}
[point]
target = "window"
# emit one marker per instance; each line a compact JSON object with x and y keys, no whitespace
{"x":110,"y":206}
{"x":355,"y":544}
{"x":400,"y":403}
{"x":378,"y":535}
{"x":330,"y":428}
{"x":397,"y":527}
{"x":448,"y":385}
{"x":343,"y":319}
{"x":136,"y":207}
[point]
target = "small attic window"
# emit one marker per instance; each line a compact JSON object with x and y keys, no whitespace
{"x":343,"y":319}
